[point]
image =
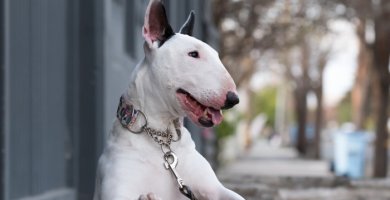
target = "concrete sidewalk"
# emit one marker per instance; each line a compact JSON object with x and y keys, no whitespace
{"x":265,"y":160}
{"x":269,"y":173}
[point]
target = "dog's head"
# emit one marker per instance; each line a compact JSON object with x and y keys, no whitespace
{"x":187,"y":72}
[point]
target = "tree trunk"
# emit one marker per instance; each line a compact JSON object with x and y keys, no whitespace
{"x":360,"y":92}
{"x":300,"y":98}
{"x":381,"y":55}
{"x":318,"y":123}
{"x":301,"y":112}
{"x":380,"y":165}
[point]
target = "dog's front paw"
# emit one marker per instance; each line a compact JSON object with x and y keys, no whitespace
{"x":149,"y":196}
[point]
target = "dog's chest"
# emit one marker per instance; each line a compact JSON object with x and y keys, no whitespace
{"x":132,"y":165}
{"x":134,"y":173}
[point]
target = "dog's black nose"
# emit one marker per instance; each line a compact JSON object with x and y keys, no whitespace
{"x":231,"y":100}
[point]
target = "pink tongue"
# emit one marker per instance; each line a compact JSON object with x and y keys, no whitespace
{"x":216,"y":116}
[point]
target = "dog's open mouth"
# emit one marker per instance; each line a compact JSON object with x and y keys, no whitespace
{"x":197,"y":112}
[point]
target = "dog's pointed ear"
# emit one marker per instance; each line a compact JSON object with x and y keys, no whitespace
{"x":188,"y":26}
{"x":156,"y":26}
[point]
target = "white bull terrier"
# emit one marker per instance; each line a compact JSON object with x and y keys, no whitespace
{"x":149,"y":154}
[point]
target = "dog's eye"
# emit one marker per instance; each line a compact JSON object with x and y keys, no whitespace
{"x":194,"y":54}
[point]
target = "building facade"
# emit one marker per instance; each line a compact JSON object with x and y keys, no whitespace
{"x":63,"y":66}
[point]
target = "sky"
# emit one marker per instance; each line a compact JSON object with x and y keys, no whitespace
{"x":339,"y":74}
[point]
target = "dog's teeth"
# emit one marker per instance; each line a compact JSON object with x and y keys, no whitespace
{"x":206,"y":113}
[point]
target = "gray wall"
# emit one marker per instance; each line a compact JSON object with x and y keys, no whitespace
{"x":89,"y":67}
{"x":2,"y":78}
{"x":52,"y":98}
{"x":37,"y":133}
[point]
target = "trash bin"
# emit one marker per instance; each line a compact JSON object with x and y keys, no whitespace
{"x":350,"y":150}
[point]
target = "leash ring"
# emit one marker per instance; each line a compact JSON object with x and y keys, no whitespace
{"x":171,"y":158}
{"x":176,"y":124}
{"x":142,"y":127}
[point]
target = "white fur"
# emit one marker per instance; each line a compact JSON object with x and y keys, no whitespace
{"x":132,"y":164}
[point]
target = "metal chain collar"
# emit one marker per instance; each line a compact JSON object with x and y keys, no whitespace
{"x":160,"y":137}
{"x":127,"y":115}
{"x":163,"y":138}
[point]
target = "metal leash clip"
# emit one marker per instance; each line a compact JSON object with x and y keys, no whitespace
{"x":170,"y":164}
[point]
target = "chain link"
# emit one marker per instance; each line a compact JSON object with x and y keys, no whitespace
{"x":160,"y":137}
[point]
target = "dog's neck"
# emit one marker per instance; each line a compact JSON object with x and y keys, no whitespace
{"x":144,"y":93}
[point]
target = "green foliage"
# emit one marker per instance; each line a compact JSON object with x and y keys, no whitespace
{"x":344,"y":109}
{"x":226,"y":128}
{"x":370,"y":124}
{"x":261,"y":102}
{"x":265,"y":102}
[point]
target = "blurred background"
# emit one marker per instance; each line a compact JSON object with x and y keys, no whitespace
{"x":313,"y":78}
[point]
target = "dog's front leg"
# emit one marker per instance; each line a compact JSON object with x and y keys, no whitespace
{"x":149,"y":196}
